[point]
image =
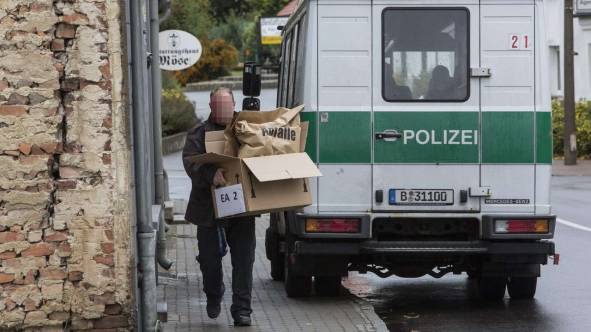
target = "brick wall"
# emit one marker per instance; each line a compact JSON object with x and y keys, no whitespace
{"x":65,"y":210}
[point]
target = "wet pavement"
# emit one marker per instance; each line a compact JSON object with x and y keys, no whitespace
{"x":563,"y":299}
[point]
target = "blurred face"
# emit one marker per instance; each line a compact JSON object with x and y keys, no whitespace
{"x":222,"y":107}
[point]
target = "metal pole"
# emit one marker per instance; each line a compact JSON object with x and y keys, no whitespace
{"x":142,"y":166}
{"x":570,"y":129}
{"x":157,"y":132}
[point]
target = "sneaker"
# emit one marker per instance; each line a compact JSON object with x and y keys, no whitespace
{"x":213,"y":309}
{"x":242,"y":320}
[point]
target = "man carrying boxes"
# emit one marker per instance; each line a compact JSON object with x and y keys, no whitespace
{"x":255,"y":165}
{"x":212,"y":234}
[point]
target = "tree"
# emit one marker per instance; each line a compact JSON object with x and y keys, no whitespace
{"x":192,"y":16}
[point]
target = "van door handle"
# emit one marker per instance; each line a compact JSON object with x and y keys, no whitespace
{"x":389,"y":135}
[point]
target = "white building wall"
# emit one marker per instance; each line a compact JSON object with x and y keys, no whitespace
{"x":554,"y":20}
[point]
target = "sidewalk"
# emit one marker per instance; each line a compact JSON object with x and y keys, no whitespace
{"x":181,"y":287}
{"x":582,"y":168}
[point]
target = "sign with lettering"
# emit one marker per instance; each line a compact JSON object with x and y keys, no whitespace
{"x":229,"y":200}
{"x":178,"y":50}
{"x":270,"y":34}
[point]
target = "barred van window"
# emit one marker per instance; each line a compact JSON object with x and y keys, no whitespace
{"x":425,"y":54}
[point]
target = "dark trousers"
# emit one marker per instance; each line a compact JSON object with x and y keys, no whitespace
{"x":240,"y":236}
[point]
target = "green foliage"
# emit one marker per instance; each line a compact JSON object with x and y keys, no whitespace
{"x":217,"y":60}
{"x":178,"y":113}
{"x":583,"y":123}
{"x":192,"y":16}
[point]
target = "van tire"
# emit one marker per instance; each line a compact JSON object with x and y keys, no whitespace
{"x":296,"y":285}
{"x":327,"y":285}
{"x":272,"y":247}
{"x":492,"y":288}
{"x":522,"y":288}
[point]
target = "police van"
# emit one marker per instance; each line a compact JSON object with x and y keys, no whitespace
{"x":430,"y":121}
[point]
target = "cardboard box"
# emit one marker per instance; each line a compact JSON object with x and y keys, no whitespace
{"x":258,"y":184}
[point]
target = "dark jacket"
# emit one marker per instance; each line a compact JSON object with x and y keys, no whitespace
{"x":200,"y":208}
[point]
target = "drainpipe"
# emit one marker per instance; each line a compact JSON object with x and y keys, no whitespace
{"x":142,"y":153}
{"x":157,"y":132}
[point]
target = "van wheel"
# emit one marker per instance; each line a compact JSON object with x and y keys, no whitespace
{"x":492,"y":288}
{"x":522,"y":287}
{"x":296,"y":285}
{"x":274,"y":255}
{"x":327,"y":285}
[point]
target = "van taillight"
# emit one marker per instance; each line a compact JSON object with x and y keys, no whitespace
{"x":333,"y":225}
{"x":522,"y":226}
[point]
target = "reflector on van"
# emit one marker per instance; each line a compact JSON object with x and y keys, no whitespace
{"x":333,"y":225}
{"x":522,"y":226}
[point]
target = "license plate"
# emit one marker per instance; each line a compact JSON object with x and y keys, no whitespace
{"x":421,"y":197}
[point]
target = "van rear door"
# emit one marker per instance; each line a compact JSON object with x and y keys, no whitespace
{"x":426,"y":109}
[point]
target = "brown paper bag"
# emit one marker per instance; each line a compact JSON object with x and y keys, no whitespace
{"x":268,"y":133}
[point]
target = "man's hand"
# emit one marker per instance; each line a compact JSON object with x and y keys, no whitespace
{"x":218,"y":178}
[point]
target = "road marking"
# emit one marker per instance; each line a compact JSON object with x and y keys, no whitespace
{"x":573,"y":225}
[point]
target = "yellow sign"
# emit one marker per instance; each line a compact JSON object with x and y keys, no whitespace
{"x":270,"y":34}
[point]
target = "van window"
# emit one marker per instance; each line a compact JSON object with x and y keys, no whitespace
{"x":285,"y":70}
{"x":425,"y":54}
{"x":292,"y":65}
{"x":298,"y":95}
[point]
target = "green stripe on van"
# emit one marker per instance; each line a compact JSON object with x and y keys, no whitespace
{"x":311,"y":141}
{"x":507,"y":137}
{"x":544,"y":138}
{"x":345,"y":137}
{"x":428,"y":137}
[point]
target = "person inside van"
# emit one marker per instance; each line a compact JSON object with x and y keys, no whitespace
{"x":441,"y":86}
{"x":213,"y":234}
{"x":393,"y":91}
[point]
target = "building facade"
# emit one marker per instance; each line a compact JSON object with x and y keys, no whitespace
{"x":554,"y":19}
{"x":66,"y":209}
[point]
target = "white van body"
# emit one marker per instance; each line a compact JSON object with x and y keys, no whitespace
{"x":431,"y":123}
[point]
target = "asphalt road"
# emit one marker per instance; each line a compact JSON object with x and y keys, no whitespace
{"x":563,"y":299}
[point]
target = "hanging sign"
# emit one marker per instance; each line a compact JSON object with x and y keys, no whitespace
{"x":270,"y":34}
{"x":178,"y":49}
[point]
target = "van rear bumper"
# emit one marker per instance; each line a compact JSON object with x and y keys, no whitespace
{"x":434,"y":248}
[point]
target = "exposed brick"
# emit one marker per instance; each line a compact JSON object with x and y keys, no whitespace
{"x":7,"y":255}
{"x":66,"y":184}
{"x":58,"y":45}
{"x":75,"y":18}
{"x":64,"y":249}
{"x":3,"y":85}
{"x":25,"y":148}
{"x":56,"y":237}
{"x":111,"y":322}
{"x":53,"y":273}
{"x":105,"y":298}
{"x":104,"y":259}
{"x":113,"y":309}
{"x":14,"y":110}
{"x":36,"y":150}
{"x":10,"y":237}
{"x":6,"y":277}
{"x":30,"y":304}
{"x":39,"y":249}
{"x":69,"y":172}
{"x":108,"y":248}
{"x":75,"y":276}
{"x":65,"y":30}
{"x":28,"y":278}
{"x":109,"y":234}
{"x":14,"y":153}
{"x":17,"y":99}
{"x":49,"y":148}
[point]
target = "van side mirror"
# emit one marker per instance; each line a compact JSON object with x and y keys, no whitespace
{"x":251,"y":86}
{"x":251,"y":79}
